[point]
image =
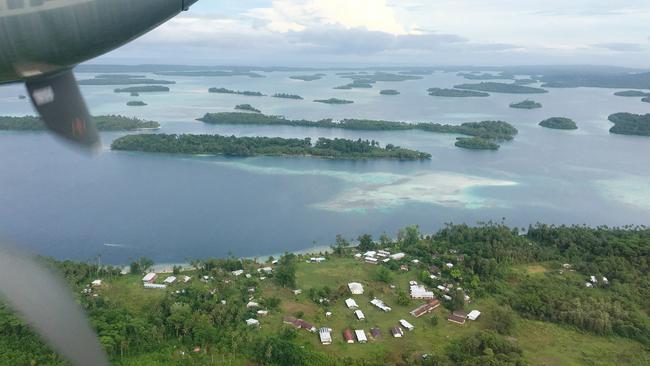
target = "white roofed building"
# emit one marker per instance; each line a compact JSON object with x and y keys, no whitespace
{"x":380,"y":304}
{"x":149,"y":277}
{"x":420,"y":292}
{"x":361,"y":336}
{"x":253,"y":322}
{"x":355,"y":288}
{"x":397,"y":256}
{"x":351,"y":304}
{"x":473,"y":315}
{"x":169,"y":280}
{"x":406,"y":324}
{"x":325,"y":335}
{"x":359,"y":314}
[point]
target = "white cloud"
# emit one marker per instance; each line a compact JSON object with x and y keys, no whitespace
{"x":373,"y":15}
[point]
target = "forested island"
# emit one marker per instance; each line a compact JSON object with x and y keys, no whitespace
{"x":492,"y":130}
{"x":271,"y":146}
{"x":618,"y":80}
{"x":229,"y":91}
{"x":455,"y":93}
{"x":547,"y":295}
{"x":136,"y":103}
{"x":501,"y":88}
{"x":334,"y":101}
{"x":104,"y":123}
{"x":210,"y":73}
{"x":389,"y":92}
{"x":631,"y":93}
{"x":526,"y":104}
{"x":486,"y":76}
{"x":22,"y":97}
{"x":646,"y":99}
{"x":123,"y":79}
{"x":247,"y":108}
{"x":307,"y":77}
{"x":356,"y":84}
{"x":630,"y":124}
{"x":476,"y":143}
{"x":287,"y":96}
{"x":559,"y":123}
{"x":381,"y":77}
{"x":143,"y":89}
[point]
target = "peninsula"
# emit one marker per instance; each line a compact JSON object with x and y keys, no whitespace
{"x":104,"y":123}
{"x":559,"y":123}
{"x":630,"y":124}
{"x":270,"y":146}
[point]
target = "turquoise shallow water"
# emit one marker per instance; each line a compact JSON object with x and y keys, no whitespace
{"x":56,"y":202}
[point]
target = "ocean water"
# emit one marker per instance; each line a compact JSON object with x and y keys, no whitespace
{"x":54,"y":201}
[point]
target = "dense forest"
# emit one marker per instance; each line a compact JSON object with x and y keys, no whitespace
{"x":455,"y":93}
{"x":501,"y":88}
{"x":229,"y":91}
{"x":559,"y":123}
{"x":104,"y":123}
{"x":476,"y":143}
{"x":630,"y":124}
{"x":254,"y":146}
{"x":247,"y":108}
{"x":389,"y":92}
{"x":142,"y":89}
{"x":631,"y":93}
{"x":203,"y":322}
{"x":496,"y":130}
{"x":307,"y":77}
{"x":334,"y":101}
{"x":123,"y":79}
{"x":287,"y":96}
{"x":526,"y":104}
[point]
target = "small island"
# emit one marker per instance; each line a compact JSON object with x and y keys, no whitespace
{"x":307,"y":77}
{"x":143,"y":89}
{"x":476,"y":143}
{"x":287,"y":96}
{"x":646,"y":99}
{"x":485,"y":76}
{"x":135,"y":94}
{"x":360,"y":84}
{"x":455,"y":93}
{"x":492,"y":130}
{"x":559,"y":123}
{"x":631,"y":93}
{"x":257,"y":146}
{"x":381,"y":77}
{"x":389,"y":92}
{"x":22,"y":97}
{"x":136,"y":103}
{"x":104,"y":123}
{"x":501,"y":88}
{"x":526,"y":104}
{"x":630,"y":124}
{"x":229,"y":91}
{"x":247,"y":108}
{"x":123,"y":79}
{"x":210,"y":73}
{"x":333,"y":101}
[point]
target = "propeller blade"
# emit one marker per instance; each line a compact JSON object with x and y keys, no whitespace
{"x":58,"y":100}
{"x":45,"y":301}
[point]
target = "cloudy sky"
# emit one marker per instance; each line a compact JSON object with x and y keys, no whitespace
{"x":399,"y":32}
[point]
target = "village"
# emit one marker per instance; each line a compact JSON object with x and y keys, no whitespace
{"x":364,"y":310}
